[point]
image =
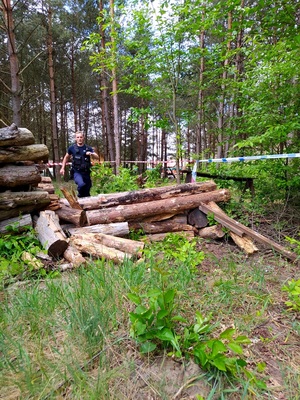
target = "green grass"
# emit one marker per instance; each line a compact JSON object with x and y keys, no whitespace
{"x":69,"y":336}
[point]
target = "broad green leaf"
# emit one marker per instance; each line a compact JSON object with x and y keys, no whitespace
{"x":227,"y":334}
{"x":235,"y":347}
{"x":134,"y":298}
{"x":217,"y":347}
{"x":147,"y":347}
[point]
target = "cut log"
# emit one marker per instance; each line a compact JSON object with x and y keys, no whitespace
{"x":19,"y":224}
{"x":33,"y":152}
{"x":14,"y":136}
{"x":50,"y":233}
{"x":98,"y":250}
{"x":144,"y":195}
{"x":73,"y":256}
{"x":9,"y":200}
{"x":12,"y":176}
{"x":133,"y":247}
{"x":115,"y":229}
{"x":229,"y":222}
{"x":14,"y":204}
{"x":71,"y":198}
{"x":242,"y":241}
{"x":159,"y":227}
{"x":76,"y":217}
{"x":197,"y":218}
{"x":158,"y":237}
{"x":212,"y":232}
{"x":141,"y":210}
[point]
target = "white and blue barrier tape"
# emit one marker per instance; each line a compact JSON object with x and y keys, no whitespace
{"x":251,"y":158}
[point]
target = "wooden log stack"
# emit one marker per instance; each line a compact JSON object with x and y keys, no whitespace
{"x":21,"y":184}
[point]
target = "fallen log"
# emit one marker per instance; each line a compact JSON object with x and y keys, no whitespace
{"x":98,"y":250}
{"x":74,"y":257}
{"x":212,"y":232}
{"x":158,"y":237}
{"x":14,"y":204}
{"x":19,"y":224}
{"x":197,"y":218}
{"x":33,"y":152}
{"x":75,"y":216}
{"x":115,"y":229}
{"x":133,"y":247}
{"x":144,"y":195}
{"x":14,"y":136}
{"x":159,"y":227}
{"x":141,"y":210}
{"x":12,"y":176}
{"x":242,"y":241}
{"x":50,"y":233}
{"x":229,"y":222}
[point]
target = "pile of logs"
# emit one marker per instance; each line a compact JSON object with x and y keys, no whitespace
{"x":74,"y":230}
{"x":98,"y":226}
{"x":21,"y":183}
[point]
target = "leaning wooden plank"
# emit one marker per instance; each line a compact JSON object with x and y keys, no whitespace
{"x":71,"y":198}
{"x":229,"y":222}
{"x":123,"y":244}
{"x":50,"y":233}
{"x":12,"y":176}
{"x":242,"y":241}
{"x":144,"y":195}
{"x":33,"y":152}
{"x":98,"y":250}
{"x":19,"y":224}
{"x":14,"y":136}
{"x":141,"y":210}
{"x":115,"y":229}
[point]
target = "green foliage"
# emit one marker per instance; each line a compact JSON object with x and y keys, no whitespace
{"x":293,"y":290}
{"x":153,"y":177}
{"x":105,"y":181}
{"x":176,"y":250}
{"x":156,"y":326}
{"x":13,"y":262}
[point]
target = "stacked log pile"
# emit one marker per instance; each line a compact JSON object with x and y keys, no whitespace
{"x":98,"y":220}
{"x":21,"y":192}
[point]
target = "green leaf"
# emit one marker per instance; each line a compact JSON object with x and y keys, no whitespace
{"x":162,"y":313}
{"x":134,"y":298}
{"x":235,"y":347}
{"x":147,"y":347}
{"x":227,"y":334}
{"x":165,"y":334}
{"x":169,"y":296}
{"x":219,"y":362}
{"x":217,"y":347}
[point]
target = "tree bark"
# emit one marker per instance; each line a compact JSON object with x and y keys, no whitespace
{"x":157,"y":237}
{"x":115,"y":229}
{"x":144,"y":195}
{"x":14,"y":136}
{"x":133,"y":247}
{"x":19,"y":224}
{"x":99,"y":250}
{"x":68,"y":214}
{"x":13,"y":175}
{"x":50,"y":234}
{"x":73,"y":256}
{"x":138,"y":211}
{"x":159,"y":227}
{"x":33,"y":152}
{"x":212,"y":232}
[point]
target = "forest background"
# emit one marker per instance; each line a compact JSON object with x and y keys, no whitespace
{"x":159,"y":80}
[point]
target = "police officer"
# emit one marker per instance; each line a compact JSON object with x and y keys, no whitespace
{"x":81,"y":155}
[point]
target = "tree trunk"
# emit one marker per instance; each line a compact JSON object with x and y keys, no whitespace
{"x":52,"y":95}
{"x":13,"y":61}
{"x":137,"y":211}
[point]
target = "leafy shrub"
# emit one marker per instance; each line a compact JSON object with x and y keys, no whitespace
{"x":293,"y":290}
{"x":105,"y":181}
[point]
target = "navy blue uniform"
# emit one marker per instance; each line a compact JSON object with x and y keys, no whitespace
{"x":81,"y":168}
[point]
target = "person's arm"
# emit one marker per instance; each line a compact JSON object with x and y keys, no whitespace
{"x":64,"y":162}
{"x":92,"y":154}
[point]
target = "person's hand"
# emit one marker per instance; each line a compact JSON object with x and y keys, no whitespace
{"x":62,"y":171}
